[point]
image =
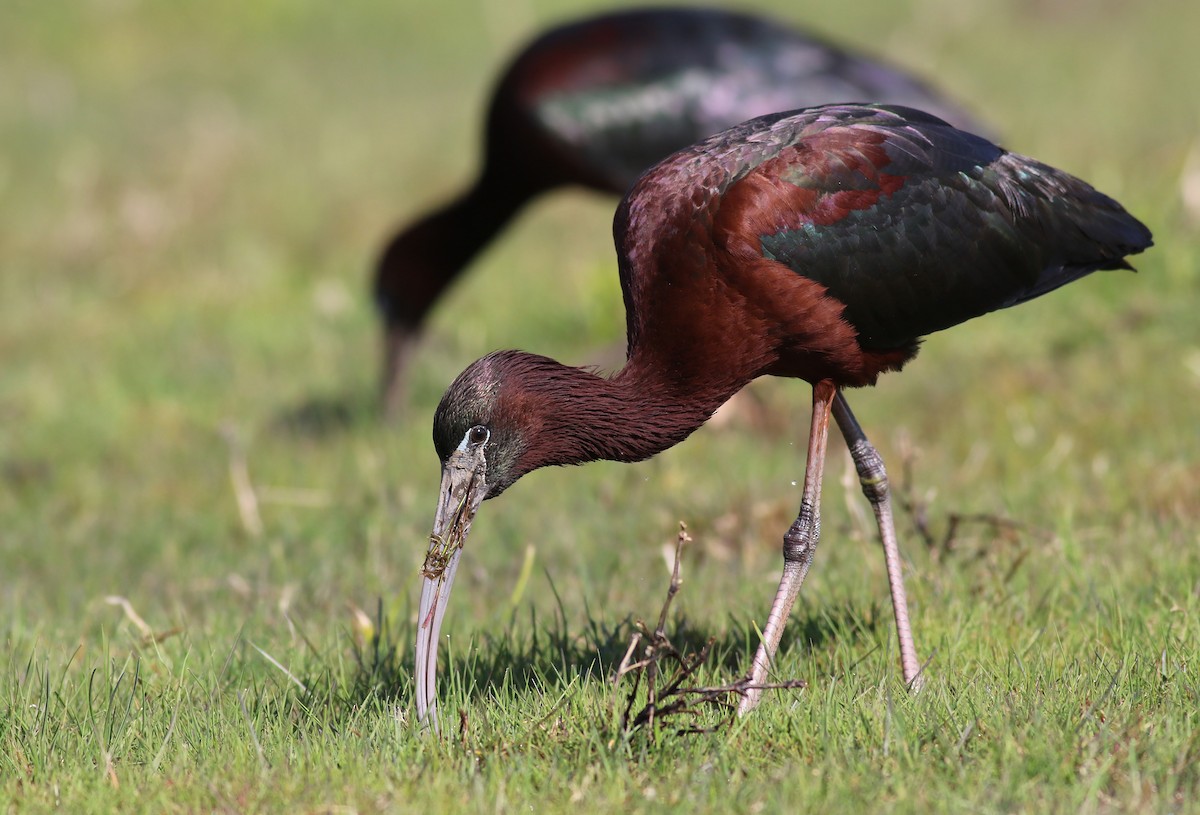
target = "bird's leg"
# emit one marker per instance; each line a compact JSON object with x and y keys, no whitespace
{"x":799,"y":544}
{"x":873,"y":478}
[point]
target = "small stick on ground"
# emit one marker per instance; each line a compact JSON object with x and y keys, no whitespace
{"x":941,"y":546}
{"x":243,"y":487}
{"x":658,"y":640}
{"x":673,"y":698}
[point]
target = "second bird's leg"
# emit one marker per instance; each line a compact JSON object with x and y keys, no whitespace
{"x":873,"y":478}
{"x":799,"y":544}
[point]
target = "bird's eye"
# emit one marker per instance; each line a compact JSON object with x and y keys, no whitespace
{"x":478,"y":434}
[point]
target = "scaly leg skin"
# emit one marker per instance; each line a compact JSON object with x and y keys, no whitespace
{"x":873,"y":478}
{"x":799,"y":544}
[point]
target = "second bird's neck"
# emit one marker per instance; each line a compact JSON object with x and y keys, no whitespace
{"x":427,"y":256}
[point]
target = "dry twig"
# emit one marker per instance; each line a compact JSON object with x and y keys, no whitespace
{"x":239,"y":477}
{"x":672,"y":697}
{"x":941,"y":546}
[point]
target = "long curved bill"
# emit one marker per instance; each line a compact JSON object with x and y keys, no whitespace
{"x":462,"y":491}
{"x":398,"y":344}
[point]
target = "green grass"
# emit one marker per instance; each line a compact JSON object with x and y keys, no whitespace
{"x":190,"y":197}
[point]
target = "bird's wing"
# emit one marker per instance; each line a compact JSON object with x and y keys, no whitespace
{"x":913,"y":225}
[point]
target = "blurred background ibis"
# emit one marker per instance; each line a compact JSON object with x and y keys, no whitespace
{"x":596,"y":102}
{"x":820,"y":244}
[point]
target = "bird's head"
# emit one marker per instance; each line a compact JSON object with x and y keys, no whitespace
{"x":412,"y":271}
{"x":482,"y":418}
{"x":481,"y":431}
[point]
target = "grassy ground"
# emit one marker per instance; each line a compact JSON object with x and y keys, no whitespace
{"x":190,"y":196}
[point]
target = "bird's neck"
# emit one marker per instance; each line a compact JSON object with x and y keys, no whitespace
{"x":628,"y":417}
{"x":427,"y":256}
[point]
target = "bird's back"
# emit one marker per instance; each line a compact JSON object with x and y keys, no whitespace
{"x":609,"y":96}
{"x":908,"y":224}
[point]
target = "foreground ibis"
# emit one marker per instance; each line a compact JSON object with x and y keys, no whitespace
{"x":597,"y":102}
{"x":820,"y":244}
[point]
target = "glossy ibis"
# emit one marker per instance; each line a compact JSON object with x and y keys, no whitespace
{"x":820,"y":244}
{"x":595,"y":103}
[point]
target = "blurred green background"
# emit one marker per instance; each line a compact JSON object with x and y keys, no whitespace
{"x":191,"y":198}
